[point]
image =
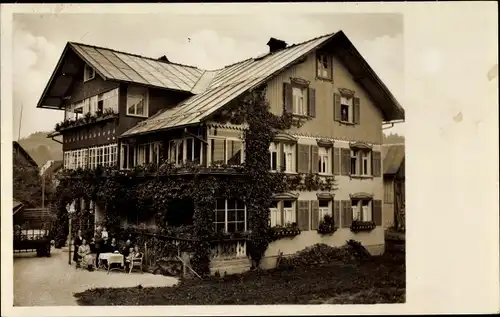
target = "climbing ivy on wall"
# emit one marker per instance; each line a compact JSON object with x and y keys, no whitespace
{"x":151,"y":188}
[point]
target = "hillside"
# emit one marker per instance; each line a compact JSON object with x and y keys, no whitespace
{"x":41,"y":148}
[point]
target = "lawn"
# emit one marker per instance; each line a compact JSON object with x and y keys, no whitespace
{"x":376,"y":280}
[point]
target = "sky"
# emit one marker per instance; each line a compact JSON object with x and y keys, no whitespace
{"x":205,"y":41}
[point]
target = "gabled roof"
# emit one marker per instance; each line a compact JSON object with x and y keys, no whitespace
{"x":393,"y":157}
{"x":23,"y":152}
{"x":210,"y":90}
{"x":53,"y":168}
{"x":234,"y":80}
{"x":16,"y":206}
{"x":124,"y":67}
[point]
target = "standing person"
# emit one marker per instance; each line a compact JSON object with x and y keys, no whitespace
{"x":98,"y":248}
{"x":76,"y":244}
{"x":104,"y":233}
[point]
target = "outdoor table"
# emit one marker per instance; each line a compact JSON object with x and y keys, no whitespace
{"x":112,"y":258}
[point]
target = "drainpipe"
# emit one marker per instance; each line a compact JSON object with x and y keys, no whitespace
{"x":391,"y":123}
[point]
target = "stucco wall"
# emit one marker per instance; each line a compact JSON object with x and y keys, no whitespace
{"x":323,"y":125}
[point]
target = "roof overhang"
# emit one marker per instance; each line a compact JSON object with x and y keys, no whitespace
{"x":366,"y":77}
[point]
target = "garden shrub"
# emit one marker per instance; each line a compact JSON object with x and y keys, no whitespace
{"x":319,"y":253}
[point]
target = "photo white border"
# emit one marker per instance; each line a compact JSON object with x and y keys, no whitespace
{"x":452,"y":205}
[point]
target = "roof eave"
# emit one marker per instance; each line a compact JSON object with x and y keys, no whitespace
{"x":397,"y":112}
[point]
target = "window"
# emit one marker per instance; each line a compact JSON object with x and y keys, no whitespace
{"x":361,"y":210}
{"x":127,"y":156}
{"x":275,"y":215}
{"x":388,"y":192}
{"x":324,"y":66}
{"x":137,"y":101}
{"x":361,"y":162}
{"x":184,"y":150}
{"x":283,"y":213}
{"x":226,"y":151}
{"x":88,"y":73}
{"x":324,"y":208}
{"x":354,"y":162}
{"x":346,"y":109}
{"x":100,"y":103}
{"x":273,"y":156}
{"x":288,"y":159}
{"x":230,"y":216}
{"x":299,"y":101}
{"x":324,"y":160}
{"x":289,"y":215}
{"x":148,"y":153}
{"x":365,"y":163}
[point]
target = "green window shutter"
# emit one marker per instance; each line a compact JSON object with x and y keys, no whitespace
{"x":357,"y":111}
{"x":336,"y":161}
{"x":345,"y":162}
{"x":287,"y":98}
{"x":346,"y":214}
{"x":303,"y":158}
{"x":336,"y":213}
{"x":314,"y":159}
{"x":377,"y":212}
{"x":336,"y":107}
{"x":303,"y":215}
{"x":376,"y":164}
{"x":314,"y":214}
{"x":311,"y":109}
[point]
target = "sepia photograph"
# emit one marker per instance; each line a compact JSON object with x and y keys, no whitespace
{"x":167,"y":159}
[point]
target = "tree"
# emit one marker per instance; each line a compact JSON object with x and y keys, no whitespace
{"x":26,"y":181}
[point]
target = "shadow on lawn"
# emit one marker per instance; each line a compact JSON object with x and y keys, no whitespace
{"x":379,"y":279}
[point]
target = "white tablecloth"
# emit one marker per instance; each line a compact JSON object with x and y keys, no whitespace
{"x":113,"y":258}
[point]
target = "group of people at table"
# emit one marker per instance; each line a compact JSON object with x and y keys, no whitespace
{"x":84,"y":250}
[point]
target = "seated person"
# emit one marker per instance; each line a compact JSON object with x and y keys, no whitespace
{"x":126,"y":249}
{"x":92,"y":245}
{"x":86,"y":259}
{"x":113,"y":246}
{"x":134,"y":253}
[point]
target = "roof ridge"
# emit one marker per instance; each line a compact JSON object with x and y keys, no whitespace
{"x":271,"y":53}
{"x":136,"y":55}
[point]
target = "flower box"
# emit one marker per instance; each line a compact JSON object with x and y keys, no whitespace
{"x":358,"y":226}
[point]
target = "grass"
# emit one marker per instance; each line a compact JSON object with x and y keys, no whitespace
{"x":377,"y":280}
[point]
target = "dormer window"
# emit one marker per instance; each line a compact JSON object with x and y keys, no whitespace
{"x":324,"y":66}
{"x":88,"y":73}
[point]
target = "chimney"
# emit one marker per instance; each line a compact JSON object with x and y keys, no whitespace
{"x":163,"y":59}
{"x":276,"y":45}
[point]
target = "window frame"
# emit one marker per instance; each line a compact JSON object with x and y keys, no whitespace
{"x":322,"y":211}
{"x":183,"y":143}
{"x":130,"y":92}
{"x":326,"y":159}
{"x":320,"y":67}
{"x":86,"y":75}
{"x":347,"y":101}
{"x":304,"y":94}
{"x":360,"y":210}
{"x":226,"y":218}
{"x":293,"y":153}
{"x":274,"y":148}
{"x":226,"y":149}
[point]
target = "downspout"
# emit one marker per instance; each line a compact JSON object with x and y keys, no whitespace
{"x":392,"y":123}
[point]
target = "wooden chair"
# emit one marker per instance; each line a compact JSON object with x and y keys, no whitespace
{"x":136,"y":262}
